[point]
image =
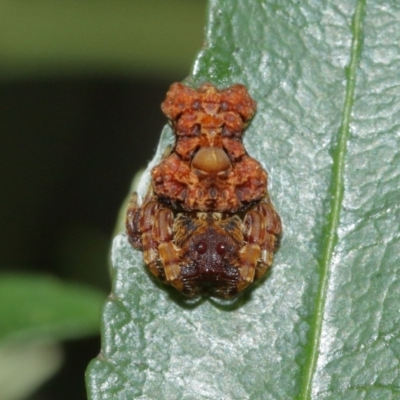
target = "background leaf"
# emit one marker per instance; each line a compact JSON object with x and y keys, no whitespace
{"x":36,"y":313}
{"x":25,"y":365}
{"x":37,"y":306}
{"x":325,"y":324}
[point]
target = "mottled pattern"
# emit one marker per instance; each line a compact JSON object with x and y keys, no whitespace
{"x":209,"y":169}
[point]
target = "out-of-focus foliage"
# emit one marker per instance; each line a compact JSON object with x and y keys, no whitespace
{"x":150,"y":38}
{"x":26,"y":364}
{"x":36,"y":312}
{"x":35,"y":306}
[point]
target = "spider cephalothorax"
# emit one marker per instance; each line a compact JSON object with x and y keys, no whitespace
{"x":202,"y":252}
{"x":209,"y":168}
{"x":207,"y":224}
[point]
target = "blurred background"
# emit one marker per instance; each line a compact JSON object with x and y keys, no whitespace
{"x":80,"y":90}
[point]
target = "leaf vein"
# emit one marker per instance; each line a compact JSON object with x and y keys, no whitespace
{"x":336,"y":193}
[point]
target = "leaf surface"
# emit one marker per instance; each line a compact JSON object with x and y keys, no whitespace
{"x":325,"y":323}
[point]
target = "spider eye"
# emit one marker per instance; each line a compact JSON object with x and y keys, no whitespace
{"x":224,"y":106}
{"x":195,"y":130}
{"x":221,"y":248}
{"x":196,"y":105}
{"x":201,"y":247}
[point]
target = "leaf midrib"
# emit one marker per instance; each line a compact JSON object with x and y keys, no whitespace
{"x":336,"y":192}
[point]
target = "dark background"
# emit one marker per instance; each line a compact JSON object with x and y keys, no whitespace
{"x":69,"y":153}
{"x":78,"y":120}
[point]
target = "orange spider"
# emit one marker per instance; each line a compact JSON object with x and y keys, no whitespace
{"x":207,"y":224}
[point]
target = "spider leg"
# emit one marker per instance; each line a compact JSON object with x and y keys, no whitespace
{"x":273,"y":231}
{"x":167,"y":251}
{"x":250,"y":254}
{"x":132,"y":223}
{"x":262,"y":228}
{"x":149,"y":228}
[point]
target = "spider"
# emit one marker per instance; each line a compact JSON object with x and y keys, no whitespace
{"x":206,"y":225}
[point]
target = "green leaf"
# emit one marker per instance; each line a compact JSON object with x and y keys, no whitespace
{"x":34,"y":307}
{"x":35,"y":313}
{"x":325,"y":324}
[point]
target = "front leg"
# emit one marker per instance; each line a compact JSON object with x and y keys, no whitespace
{"x":262,"y":229}
{"x":132,"y":223}
{"x":140,"y":223}
{"x":168,"y":253}
{"x":149,"y":228}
